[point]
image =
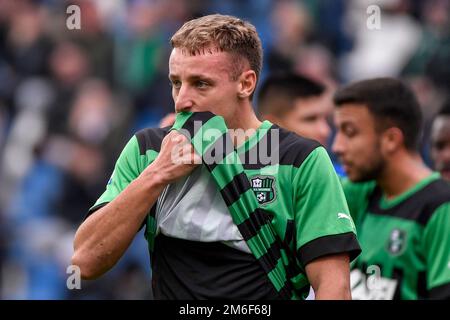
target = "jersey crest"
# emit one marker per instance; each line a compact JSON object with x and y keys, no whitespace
{"x":264,"y":188}
{"x":397,"y":242}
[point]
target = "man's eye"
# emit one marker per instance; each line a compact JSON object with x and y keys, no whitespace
{"x":175,"y":83}
{"x":349,"y":132}
{"x":201,"y":84}
{"x":310,"y":119}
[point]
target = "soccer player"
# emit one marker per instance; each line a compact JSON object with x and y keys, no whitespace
{"x":440,"y":141}
{"x":297,"y":104}
{"x":243,"y":230}
{"x":401,"y":208}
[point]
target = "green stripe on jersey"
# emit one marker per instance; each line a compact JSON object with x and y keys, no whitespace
{"x":289,"y":212}
{"x":242,"y":196}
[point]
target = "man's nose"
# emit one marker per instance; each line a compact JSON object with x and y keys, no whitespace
{"x":183,"y":100}
{"x":337,"y":146}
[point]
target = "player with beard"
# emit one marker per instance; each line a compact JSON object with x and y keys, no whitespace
{"x":401,"y":208}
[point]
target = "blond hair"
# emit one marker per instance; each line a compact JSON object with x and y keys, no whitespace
{"x":224,"y":33}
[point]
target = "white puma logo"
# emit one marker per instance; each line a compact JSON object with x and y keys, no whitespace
{"x":343,"y":216}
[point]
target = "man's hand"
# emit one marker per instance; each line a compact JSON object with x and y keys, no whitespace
{"x":176,"y":159}
{"x":168,"y":120}
{"x":104,"y":236}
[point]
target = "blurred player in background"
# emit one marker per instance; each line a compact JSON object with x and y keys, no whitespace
{"x":298,"y":104}
{"x":440,"y":141}
{"x":401,"y":208}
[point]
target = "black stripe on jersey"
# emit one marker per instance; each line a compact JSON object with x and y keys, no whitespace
{"x":289,"y":234}
{"x":286,"y":291}
{"x":332,"y":244}
{"x":151,"y":138}
{"x":441,"y":292}
{"x":293,"y":267}
{"x":398,"y":274}
{"x":201,"y":116}
{"x":418,"y":207}
{"x":269,"y":260}
{"x":233,"y":190}
{"x":250,"y":227}
{"x":95,"y":208}
{"x":198,"y":116}
{"x":223,"y":144}
{"x":101,"y":205}
{"x":234,"y":274}
{"x":292,"y":148}
{"x":422,"y":292}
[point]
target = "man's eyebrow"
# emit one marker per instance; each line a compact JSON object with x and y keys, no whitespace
{"x":200,"y":77}
{"x":193,"y":77}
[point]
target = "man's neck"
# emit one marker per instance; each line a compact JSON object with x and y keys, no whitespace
{"x":402,"y":172}
{"x":243,"y":125}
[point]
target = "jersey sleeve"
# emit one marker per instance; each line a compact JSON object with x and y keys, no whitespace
{"x":436,"y":241}
{"x":323,"y":223}
{"x":127,"y":168}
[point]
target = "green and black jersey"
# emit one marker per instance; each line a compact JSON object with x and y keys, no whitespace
{"x":405,"y":241}
{"x":286,"y":212}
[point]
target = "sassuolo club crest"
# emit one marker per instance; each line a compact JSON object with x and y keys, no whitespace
{"x":264,"y":188}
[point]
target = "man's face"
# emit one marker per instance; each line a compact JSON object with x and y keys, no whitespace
{"x":309,"y":118}
{"x":440,"y":145}
{"x":203,"y":83}
{"x":357,"y":144}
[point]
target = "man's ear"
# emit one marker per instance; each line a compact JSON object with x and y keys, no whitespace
{"x":392,"y":140}
{"x":247,"y":84}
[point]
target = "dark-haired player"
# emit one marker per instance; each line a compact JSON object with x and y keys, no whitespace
{"x":401,"y":208}
{"x":296,"y":103}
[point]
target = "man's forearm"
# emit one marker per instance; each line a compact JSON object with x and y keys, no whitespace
{"x":103,"y":238}
{"x":333,"y":292}
{"x":330,"y":277}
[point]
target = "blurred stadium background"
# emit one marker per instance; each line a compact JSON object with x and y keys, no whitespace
{"x":70,"y":99}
